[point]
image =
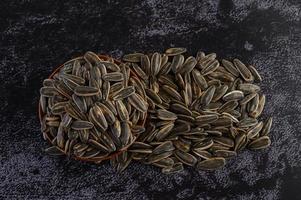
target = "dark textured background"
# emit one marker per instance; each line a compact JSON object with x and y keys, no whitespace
{"x":36,"y":36}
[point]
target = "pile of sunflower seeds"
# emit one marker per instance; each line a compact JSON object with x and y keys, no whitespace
{"x":200,"y":111}
{"x":92,"y":108}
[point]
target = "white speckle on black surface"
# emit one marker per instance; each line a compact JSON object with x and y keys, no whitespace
{"x":37,"y":36}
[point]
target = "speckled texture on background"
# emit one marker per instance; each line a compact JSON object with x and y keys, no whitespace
{"x":36,"y":36}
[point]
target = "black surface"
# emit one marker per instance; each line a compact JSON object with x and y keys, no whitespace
{"x":36,"y":36}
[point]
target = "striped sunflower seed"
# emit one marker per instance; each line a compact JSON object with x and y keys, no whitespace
{"x":225,"y":153}
{"x":243,"y":70}
{"x":177,"y":62}
{"x":164,"y":131}
{"x":138,"y":102}
{"x":113,"y":76}
{"x":164,"y":147}
{"x":124,"y":93}
{"x":186,"y":158}
{"x":255,"y":73}
{"x":208,"y":95}
{"x":230,"y":67}
{"x":260,"y":143}
{"x":177,"y":167}
{"x":155,"y":64}
{"x":175,"y":51}
{"x":98,"y":118}
{"x":86,"y":91}
{"x":267,"y":127}
{"x":211,"y":67}
{"x":211,"y":164}
{"x":199,"y":79}
{"x":133,"y":57}
{"x":81,"y":125}
{"x":166,"y":115}
{"x":253,"y":132}
{"x":122,"y":112}
{"x":233,"y":95}
{"x":188,"y":65}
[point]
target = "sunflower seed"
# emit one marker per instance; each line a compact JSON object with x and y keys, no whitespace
{"x":133,"y":57}
{"x":175,"y":51}
{"x":155,"y":64}
{"x":113,"y":76}
{"x":111,"y":106}
{"x":124,"y":93}
{"x":225,"y":141}
{"x":247,"y":122}
{"x":225,"y":153}
{"x":109,"y":65}
{"x":203,"y":145}
{"x":230,"y":67}
{"x":182,"y":145}
{"x":208,"y":95}
{"x":219,"y":92}
{"x":211,"y":67}
{"x":77,"y":79}
{"x":243,"y":70}
{"x":248,"y":98}
{"x":109,"y":115}
{"x":106,"y":87}
{"x":164,"y":131}
{"x":153,"y":96}
{"x":233,"y":95}
{"x":187,"y":66}
{"x":48,"y":91}
{"x":260,"y":143}
{"x":91,"y":57}
{"x":164,"y":163}
{"x":248,"y":88}
{"x":165,"y":69}
{"x":180,"y":109}
{"x":177,"y":167}
{"x":138,"y":102}
{"x":211,"y":164}
{"x":164,"y":147}
{"x":206,"y":118}
{"x":48,"y":82}
{"x":157,"y":157}
{"x":239,"y":141}
{"x":166,"y":115}
{"x":98,"y":118}
{"x":139,"y":71}
{"x":177,"y":62}
{"x":80,"y":103}
{"x":86,"y":91}
{"x":122,"y":111}
{"x":253,"y":104}
{"x":229,"y":105}
{"x":253,"y":132}
{"x":145,"y":64}
{"x":202,"y":154}
{"x":116,"y":128}
{"x":267,"y":127}
{"x":255,"y":73}
{"x":260,"y":107}
{"x":66,"y":120}
{"x":186,"y":158}
{"x":199,"y":79}
{"x":81,"y":125}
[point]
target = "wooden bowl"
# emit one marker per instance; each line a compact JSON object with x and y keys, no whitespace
{"x":98,"y":160}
